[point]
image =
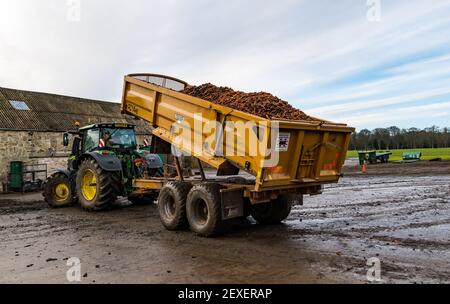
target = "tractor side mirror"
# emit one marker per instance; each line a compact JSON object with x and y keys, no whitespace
{"x":66,"y":139}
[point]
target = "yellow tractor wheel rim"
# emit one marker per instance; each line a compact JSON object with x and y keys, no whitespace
{"x":62,"y":192}
{"x":89,"y":185}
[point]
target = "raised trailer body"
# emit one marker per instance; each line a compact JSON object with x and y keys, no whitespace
{"x":309,"y":154}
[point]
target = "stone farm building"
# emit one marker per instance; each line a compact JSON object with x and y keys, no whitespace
{"x":32,"y":125}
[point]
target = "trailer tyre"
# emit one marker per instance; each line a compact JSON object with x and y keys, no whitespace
{"x":204,"y":211}
{"x":172,"y":205}
{"x":276,"y":211}
{"x":97,"y":189}
{"x":58,"y":191}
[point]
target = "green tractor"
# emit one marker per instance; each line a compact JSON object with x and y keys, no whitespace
{"x":105,"y":160}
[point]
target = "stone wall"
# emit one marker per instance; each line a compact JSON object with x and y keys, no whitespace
{"x":31,"y":147}
{"x":35,"y":147}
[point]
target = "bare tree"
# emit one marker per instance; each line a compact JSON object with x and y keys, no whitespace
{"x":396,"y":138}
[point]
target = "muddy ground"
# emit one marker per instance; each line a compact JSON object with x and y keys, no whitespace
{"x":399,"y":214}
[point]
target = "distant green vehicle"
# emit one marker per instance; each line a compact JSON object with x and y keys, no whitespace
{"x":373,"y":157}
{"x":412,"y":156}
{"x":105,"y":160}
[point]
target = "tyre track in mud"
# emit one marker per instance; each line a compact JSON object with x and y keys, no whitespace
{"x":407,"y":221}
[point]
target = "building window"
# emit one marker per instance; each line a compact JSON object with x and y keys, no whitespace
{"x":19,"y":105}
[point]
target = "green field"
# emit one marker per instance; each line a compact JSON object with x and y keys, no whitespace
{"x":427,"y":154}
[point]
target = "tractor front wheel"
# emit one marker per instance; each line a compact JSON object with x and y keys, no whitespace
{"x":58,"y":191}
{"x":97,"y":189}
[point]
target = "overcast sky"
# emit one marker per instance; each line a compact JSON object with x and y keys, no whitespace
{"x":325,"y":56}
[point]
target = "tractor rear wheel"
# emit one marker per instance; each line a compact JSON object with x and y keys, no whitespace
{"x":204,"y":211}
{"x":276,"y":211}
{"x":97,"y":189}
{"x":58,"y":191}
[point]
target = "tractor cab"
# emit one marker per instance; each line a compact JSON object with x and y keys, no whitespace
{"x":103,"y":139}
{"x":106,"y":137}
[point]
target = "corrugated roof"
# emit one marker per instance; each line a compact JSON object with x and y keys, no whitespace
{"x":50,"y":112}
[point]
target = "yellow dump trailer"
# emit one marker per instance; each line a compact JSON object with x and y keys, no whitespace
{"x":287,"y":159}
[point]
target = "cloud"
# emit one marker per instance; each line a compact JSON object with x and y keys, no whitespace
{"x":322,"y":56}
{"x":377,"y":103}
{"x":438,"y":112}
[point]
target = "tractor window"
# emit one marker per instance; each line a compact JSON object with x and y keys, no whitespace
{"x":91,"y":140}
{"x":119,"y":138}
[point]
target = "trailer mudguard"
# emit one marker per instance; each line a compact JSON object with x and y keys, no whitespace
{"x":109,"y":163}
